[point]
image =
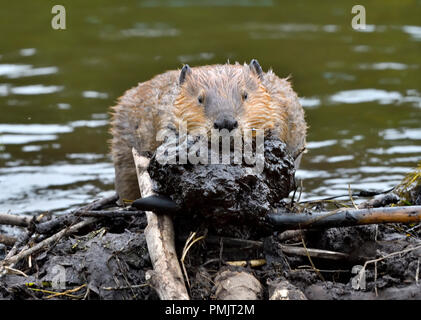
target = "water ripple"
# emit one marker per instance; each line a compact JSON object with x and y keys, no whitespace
{"x":23,"y":139}
{"x":309,"y":102}
{"x":321,"y":144}
{"x":13,"y":71}
{"x":396,"y":150}
{"x":384,"y":66}
{"x":35,"y":188}
{"x":413,"y":31}
{"x":156,"y":30}
{"x":28,"y":133}
{"x":403,"y":133}
{"x":35,"y":89}
{"x":27,"y":52}
{"x":95,"y":94}
{"x":366,"y":95}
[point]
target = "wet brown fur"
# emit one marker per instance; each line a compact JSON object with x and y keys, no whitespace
{"x":162,"y":103}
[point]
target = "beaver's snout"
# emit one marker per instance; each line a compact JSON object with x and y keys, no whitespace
{"x":225,"y":123}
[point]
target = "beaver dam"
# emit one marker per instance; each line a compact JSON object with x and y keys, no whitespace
{"x":225,"y":247}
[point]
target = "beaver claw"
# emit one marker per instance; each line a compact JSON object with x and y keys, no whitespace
{"x":155,"y":203}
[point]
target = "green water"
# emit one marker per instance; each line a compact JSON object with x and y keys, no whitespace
{"x":360,"y":89}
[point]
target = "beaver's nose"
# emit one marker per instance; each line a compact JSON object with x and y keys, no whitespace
{"x":229,"y":124}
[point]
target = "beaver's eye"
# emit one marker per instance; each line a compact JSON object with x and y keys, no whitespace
{"x":245,"y":96}
{"x":200,"y":99}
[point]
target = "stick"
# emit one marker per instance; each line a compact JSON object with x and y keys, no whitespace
{"x":71,"y":218}
{"x":12,"y":258}
{"x":26,"y":253}
{"x":11,"y":219}
{"x":380,"y":202}
{"x":166,"y":277}
{"x":315,"y":253}
{"x":311,"y":261}
{"x":111,"y":213}
{"x":234,"y":242}
{"x":361,"y":273}
{"x":22,"y":240}
{"x":290,"y":234}
{"x":343,"y":217}
{"x":191,"y":240}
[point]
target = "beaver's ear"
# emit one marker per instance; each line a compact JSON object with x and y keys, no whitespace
{"x":184,"y":72}
{"x":256,"y":68}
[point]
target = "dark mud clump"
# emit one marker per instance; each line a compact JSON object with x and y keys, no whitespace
{"x":229,"y":193}
{"x":112,"y":266}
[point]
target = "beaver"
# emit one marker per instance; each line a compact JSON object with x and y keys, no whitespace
{"x":222,"y":96}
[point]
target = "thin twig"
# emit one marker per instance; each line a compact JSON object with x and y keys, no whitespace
{"x":53,"y":292}
{"x":59,"y":222}
{"x":310,"y":268}
{"x":315,"y":253}
{"x":375,"y":278}
{"x":14,"y":259}
{"x":235,"y":242}
{"x":67,"y":292}
{"x":136,"y":286}
{"x":361,"y":273}
{"x":311,"y":261}
{"x":301,"y":191}
{"x":293,"y":195}
{"x":221,"y":250}
{"x":56,"y":294}
{"x":189,"y":243}
{"x":111,"y":213}
{"x":10,"y":269}
{"x":391,"y":255}
{"x":350,"y":196}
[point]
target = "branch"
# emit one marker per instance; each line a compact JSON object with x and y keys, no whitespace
{"x":315,"y":253}
{"x":14,"y":220}
{"x":234,"y":242}
{"x":343,"y":218}
{"x":14,"y":259}
{"x":166,"y":277}
{"x":382,"y":201}
{"x":111,"y":213}
{"x":69,"y":219}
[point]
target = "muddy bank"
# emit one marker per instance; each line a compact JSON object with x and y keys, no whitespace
{"x":110,"y":262}
{"x":102,"y":260}
{"x":106,"y":257}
